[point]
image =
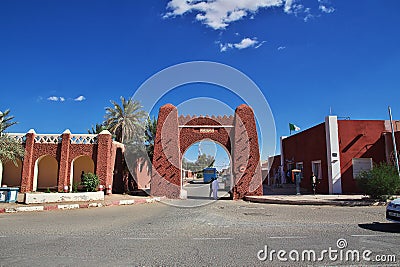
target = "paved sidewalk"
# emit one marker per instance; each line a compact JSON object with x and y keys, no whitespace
{"x":109,"y":200}
{"x":120,"y":199}
{"x":331,"y":200}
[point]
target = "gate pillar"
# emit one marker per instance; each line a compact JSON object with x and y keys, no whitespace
{"x":166,"y":176}
{"x":246,"y":155}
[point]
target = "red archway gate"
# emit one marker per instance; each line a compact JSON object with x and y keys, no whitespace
{"x":238,"y":134}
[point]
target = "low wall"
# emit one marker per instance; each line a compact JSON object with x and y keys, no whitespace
{"x":35,"y":198}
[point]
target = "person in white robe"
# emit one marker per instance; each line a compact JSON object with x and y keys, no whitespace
{"x":214,"y":186}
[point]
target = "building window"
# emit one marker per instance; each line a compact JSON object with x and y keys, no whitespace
{"x":360,"y":165}
{"x":316,"y":168}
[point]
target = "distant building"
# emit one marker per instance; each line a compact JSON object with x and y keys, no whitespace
{"x":335,"y":151}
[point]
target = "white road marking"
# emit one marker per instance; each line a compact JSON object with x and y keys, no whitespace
{"x":212,"y":238}
{"x":140,"y":238}
{"x":368,"y":235}
{"x":287,"y":237}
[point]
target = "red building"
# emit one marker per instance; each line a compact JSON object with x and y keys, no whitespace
{"x":54,"y":161}
{"x":336,"y":151}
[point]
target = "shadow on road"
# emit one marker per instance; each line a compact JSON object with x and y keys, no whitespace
{"x":197,"y":182}
{"x":198,"y":197}
{"x":209,"y":198}
{"x":381,"y":227}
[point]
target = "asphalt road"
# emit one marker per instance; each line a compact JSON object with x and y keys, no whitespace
{"x":199,"y":194}
{"x":223,"y":233}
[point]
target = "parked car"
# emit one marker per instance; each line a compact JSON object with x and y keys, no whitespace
{"x":393,"y":211}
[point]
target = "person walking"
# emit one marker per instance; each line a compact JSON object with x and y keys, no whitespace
{"x":214,"y":186}
{"x":314,"y":182}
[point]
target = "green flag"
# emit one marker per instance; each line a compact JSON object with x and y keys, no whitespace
{"x":293,"y":127}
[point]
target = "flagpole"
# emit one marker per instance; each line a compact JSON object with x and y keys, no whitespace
{"x":394,"y":142}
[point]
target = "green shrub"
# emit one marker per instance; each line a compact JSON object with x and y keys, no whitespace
{"x":75,"y":187}
{"x":90,"y":182}
{"x":381,"y":182}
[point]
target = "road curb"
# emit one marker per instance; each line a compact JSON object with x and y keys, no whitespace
{"x":314,"y":202}
{"x":123,"y":202}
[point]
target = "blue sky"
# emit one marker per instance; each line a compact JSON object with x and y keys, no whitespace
{"x":222,"y":159}
{"x":305,"y":56}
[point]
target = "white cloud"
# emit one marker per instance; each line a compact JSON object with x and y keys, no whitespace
{"x":80,"y":98}
{"x":52,"y":98}
{"x":218,"y":14}
{"x":288,"y":6}
{"x":56,"y":98}
{"x":259,"y":44}
{"x":244,"y":43}
{"x":63,"y":99}
{"x":326,"y":9}
{"x":308,"y":17}
{"x":225,"y":47}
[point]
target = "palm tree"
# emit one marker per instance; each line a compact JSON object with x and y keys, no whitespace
{"x":6,"y":120}
{"x":150,"y":137}
{"x":141,"y":153}
{"x":98,"y":128}
{"x":126,"y":121}
{"x":10,"y":149}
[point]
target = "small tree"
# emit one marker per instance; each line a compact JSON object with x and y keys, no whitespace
{"x":381,"y":182}
{"x":10,"y":149}
{"x":90,"y":181}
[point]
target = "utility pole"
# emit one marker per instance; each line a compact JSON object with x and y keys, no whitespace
{"x":1,"y":122}
{"x":396,"y":158}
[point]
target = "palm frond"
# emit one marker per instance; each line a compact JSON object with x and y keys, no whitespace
{"x":126,"y":120}
{"x":10,"y":149}
{"x":6,"y":120}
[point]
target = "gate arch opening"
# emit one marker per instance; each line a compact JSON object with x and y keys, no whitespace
{"x":10,"y":173}
{"x":45,"y":173}
{"x":80,"y":164}
{"x":198,"y":156}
